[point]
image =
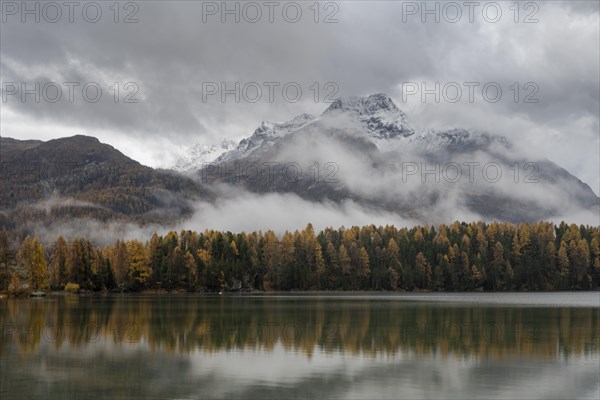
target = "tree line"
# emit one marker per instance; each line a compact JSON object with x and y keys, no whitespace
{"x":457,"y":257}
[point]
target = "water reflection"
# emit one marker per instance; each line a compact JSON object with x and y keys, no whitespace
{"x":282,"y":346}
{"x":348,"y":325}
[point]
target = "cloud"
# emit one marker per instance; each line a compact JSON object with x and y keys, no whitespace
{"x":246,"y":211}
{"x":171,"y":51}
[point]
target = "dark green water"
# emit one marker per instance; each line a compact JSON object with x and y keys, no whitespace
{"x":358,"y":346}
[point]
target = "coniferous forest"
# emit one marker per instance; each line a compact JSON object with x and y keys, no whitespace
{"x":459,"y":257}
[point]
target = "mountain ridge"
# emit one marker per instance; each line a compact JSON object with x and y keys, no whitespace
{"x":79,"y":176}
{"x":377,"y":113}
{"x":359,"y":150}
{"x":374,"y":133}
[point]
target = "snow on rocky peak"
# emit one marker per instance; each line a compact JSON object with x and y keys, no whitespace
{"x":389,"y":129}
{"x":264,"y":136}
{"x":372,"y":105}
{"x":384,"y":123}
{"x":199,"y":154}
{"x":377,"y":113}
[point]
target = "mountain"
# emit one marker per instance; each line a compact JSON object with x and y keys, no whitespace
{"x":198,"y":155}
{"x":363,"y":149}
{"x":263,"y":137}
{"x":377,"y":116}
{"x":80,"y":177}
{"x":377,"y":113}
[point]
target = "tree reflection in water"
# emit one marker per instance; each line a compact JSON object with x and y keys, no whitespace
{"x":366,"y":326}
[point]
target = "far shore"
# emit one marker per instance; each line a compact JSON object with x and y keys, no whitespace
{"x":162,"y":292}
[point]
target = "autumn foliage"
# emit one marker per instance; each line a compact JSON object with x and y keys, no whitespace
{"x":459,"y":257}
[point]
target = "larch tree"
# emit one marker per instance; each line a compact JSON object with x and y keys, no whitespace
{"x":459,"y":257}
{"x":192,"y":270}
{"x":364,"y":269}
{"x":564,"y":266}
{"x":595,"y":255}
{"x":580,"y":263}
{"x":58,"y":263}
{"x":138,"y":270}
{"x":288,"y":254}
{"x":345,"y":266}
{"x":271,"y":258}
{"x":496,"y":267}
{"x":31,"y":257}
{"x":119,"y":260}
{"x":38,"y":278}
{"x":423,"y":270}
{"x":333,"y":270}
{"x":5,"y":258}
{"x":320,"y":270}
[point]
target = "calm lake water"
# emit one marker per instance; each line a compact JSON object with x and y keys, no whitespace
{"x":356,"y":346}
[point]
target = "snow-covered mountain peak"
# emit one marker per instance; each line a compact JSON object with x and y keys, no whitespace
{"x":264,"y":135}
{"x":199,"y":154}
{"x":271,"y":129}
{"x":374,"y":104}
{"x":377,"y":113}
{"x":377,"y":117}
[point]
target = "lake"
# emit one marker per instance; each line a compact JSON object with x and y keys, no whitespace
{"x":282,"y":346}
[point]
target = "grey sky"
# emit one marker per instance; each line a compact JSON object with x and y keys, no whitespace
{"x":170,"y":52}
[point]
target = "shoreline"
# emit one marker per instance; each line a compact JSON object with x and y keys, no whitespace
{"x":152,"y":293}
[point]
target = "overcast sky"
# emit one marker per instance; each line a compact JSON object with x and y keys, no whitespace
{"x":167,"y":58}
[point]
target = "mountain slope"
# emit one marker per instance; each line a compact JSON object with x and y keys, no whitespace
{"x":364,"y":150}
{"x":80,"y":177}
{"x":359,"y":151}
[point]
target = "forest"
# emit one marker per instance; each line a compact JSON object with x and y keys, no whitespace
{"x":458,"y":257}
